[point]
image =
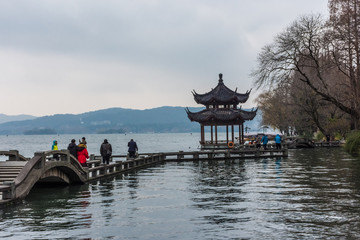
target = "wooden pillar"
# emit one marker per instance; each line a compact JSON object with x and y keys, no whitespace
{"x":227,"y":134}
{"x":240,"y":138}
{"x":232,"y":133}
{"x":216,"y":137}
{"x":212,"y":134}
{"x":202,"y":134}
{"x":242,"y":132}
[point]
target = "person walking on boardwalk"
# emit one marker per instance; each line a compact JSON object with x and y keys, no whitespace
{"x":264,"y":141}
{"x":278,"y":141}
{"x":106,"y":151}
{"x":73,"y":148}
{"x":132,"y":148}
{"x":55,"y":147}
{"x":82,"y":154}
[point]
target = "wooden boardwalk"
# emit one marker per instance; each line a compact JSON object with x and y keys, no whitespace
{"x":18,"y":174}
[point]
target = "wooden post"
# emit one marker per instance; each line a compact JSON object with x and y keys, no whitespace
{"x":232,"y":133}
{"x":202,"y":134}
{"x":240,"y":139}
{"x":216,"y":137}
{"x":227,"y":134}
{"x":242,"y":132}
{"x":285,"y":153}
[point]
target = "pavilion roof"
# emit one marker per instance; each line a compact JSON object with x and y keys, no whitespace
{"x":221,"y":95}
{"x":221,"y":116}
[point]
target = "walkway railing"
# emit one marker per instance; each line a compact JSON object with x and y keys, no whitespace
{"x":119,"y":164}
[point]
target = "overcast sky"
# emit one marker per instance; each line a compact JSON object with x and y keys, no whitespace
{"x":82,"y":55}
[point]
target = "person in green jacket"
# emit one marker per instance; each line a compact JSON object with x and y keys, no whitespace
{"x":55,"y":147}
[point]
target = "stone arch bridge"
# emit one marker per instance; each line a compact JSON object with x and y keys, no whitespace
{"x":18,"y":175}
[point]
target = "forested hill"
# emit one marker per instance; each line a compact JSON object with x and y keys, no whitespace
{"x":9,"y":118}
{"x":112,"y":120}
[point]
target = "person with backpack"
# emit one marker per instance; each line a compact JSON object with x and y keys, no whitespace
{"x":106,"y":151}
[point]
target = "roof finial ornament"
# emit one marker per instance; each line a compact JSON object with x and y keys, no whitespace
{"x":220,"y":78}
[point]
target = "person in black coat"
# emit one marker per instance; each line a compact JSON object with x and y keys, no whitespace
{"x":73,"y":148}
{"x":132,"y":148}
{"x":106,"y":151}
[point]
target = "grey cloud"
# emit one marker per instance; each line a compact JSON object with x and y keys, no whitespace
{"x":155,"y":34}
{"x":154,"y":40}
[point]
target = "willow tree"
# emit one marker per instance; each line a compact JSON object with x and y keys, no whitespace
{"x":305,"y":51}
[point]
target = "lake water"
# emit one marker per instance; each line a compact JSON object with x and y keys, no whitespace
{"x":312,"y":194}
{"x":28,"y":144}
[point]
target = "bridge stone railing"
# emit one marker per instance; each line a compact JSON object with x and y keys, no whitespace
{"x":14,"y":155}
{"x":64,"y":157}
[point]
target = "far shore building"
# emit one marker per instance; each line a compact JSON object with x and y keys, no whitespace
{"x":221,"y":110}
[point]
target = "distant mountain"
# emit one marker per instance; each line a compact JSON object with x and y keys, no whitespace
{"x":10,"y":118}
{"x":112,"y":120}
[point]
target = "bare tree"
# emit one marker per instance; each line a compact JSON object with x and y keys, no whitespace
{"x":345,"y":25}
{"x":306,"y":49}
{"x":297,"y":106}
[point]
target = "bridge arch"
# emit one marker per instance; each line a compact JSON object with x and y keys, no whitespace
{"x":42,"y":168}
{"x":54,"y":176}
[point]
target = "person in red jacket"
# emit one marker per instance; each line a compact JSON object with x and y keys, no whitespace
{"x":82,"y":155}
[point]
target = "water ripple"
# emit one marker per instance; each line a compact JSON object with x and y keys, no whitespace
{"x":309,"y":195}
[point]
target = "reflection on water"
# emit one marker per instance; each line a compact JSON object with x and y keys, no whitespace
{"x":312,"y":194}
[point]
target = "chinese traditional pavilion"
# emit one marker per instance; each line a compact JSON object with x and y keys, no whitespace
{"x":221,"y":110}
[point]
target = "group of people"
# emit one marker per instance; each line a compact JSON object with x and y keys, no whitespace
{"x":79,"y":151}
{"x":264,"y":141}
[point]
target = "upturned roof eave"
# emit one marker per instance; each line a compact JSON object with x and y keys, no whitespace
{"x":221,"y":94}
{"x":217,"y":115}
{"x":214,"y":98}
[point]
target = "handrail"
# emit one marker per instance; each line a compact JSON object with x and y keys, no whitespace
{"x":14,"y":155}
{"x":64,"y":156}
